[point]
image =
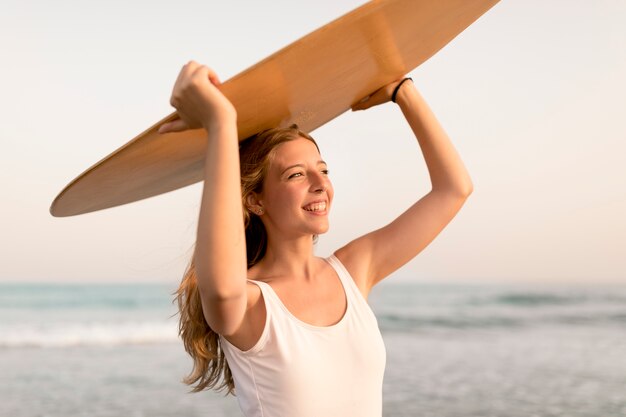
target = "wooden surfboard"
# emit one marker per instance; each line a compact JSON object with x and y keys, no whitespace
{"x":309,"y":82}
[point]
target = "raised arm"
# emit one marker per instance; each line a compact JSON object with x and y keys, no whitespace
{"x":374,"y":256}
{"x":220,"y":253}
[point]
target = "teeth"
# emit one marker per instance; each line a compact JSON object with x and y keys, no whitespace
{"x":316,"y":207}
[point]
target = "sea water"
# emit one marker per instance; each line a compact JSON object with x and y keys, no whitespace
{"x":452,"y":350}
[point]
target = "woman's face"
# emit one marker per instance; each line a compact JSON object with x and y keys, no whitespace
{"x":297,"y":192}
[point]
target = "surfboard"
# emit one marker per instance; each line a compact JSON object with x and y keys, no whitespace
{"x":309,"y":82}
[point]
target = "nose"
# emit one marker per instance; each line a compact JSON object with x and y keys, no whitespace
{"x":319,"y":183}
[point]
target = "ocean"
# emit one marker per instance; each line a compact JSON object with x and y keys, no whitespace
{"x":452,"y":351}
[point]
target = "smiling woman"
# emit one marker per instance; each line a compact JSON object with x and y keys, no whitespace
{"x":291,"y":333}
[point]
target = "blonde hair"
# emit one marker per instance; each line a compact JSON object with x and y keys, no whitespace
{"x":210,"y":368}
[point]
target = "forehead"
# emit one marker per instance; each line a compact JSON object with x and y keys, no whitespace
{"x":295,"y":151}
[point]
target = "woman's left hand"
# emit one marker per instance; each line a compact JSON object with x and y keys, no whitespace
{"x":380,"y":96}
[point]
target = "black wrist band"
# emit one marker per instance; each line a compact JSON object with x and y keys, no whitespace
{"x":395,"y":91}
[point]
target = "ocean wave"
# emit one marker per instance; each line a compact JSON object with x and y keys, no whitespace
{"x":84,"y":297}
{"x":398,"y":322}
{"x":71,"y":334}
{"x":518,"y":297}
{"x":529,"y":299}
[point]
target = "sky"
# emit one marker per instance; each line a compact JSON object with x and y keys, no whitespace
{"x":533,"y":95}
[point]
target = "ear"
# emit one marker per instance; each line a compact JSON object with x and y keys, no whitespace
{"x":254,"y":203}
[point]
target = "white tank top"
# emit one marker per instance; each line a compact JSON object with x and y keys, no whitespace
{"x":300,"y":370}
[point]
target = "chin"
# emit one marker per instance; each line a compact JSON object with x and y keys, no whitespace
{"x":319,"y":230}
{"x":322,"y":230}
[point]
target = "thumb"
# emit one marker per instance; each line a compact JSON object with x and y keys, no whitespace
{"x":177,"y":125}
{"x":361,"y":104}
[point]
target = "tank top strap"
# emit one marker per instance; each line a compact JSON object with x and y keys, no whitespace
{"x":352,"y":291}
{"x":270,"y":299}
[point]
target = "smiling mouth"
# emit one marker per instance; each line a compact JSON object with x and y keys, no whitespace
{"x":314,"y":207}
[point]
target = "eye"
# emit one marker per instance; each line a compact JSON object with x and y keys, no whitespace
{"x":325,"y":171}
{"x":295,"y":175}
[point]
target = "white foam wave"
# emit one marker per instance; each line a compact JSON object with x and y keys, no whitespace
{"x":87,"y":334}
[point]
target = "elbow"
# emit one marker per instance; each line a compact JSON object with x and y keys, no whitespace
{"x":454,"y":198}
{"x":459,"y":191}
{"x":466,"y":189}
{"x":457,"y":186}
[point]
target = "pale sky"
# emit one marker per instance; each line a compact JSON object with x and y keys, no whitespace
{"x":533,"y":95}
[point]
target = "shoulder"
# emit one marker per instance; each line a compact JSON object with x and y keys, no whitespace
{"x":256,"y":303}
{"x":249,"y":333}
{"x":254,"y":291}
{"x":356,"y":267}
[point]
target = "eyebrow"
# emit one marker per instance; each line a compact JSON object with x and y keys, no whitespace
{"x":300,"y":166}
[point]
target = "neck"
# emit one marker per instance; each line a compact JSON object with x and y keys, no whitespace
{"x":288,"y":259}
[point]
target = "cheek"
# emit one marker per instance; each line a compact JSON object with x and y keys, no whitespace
{"x":283,"y":199}
{"x":330,"y":191}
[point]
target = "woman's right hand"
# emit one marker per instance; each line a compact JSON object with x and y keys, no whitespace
{"x":198,"y":101}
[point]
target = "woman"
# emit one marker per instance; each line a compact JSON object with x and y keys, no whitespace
{"x":289,"y":332}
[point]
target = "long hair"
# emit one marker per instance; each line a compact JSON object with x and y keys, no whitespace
{"x":210,"y":368}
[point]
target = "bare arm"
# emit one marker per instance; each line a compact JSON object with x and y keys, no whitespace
{"x":374,"y":256}
{"x":220,"y":254}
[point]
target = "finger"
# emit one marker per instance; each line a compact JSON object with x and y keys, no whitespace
{"x":361,"y":104}
{"x":205,"y":72}
{"x":183,"y":75}
{"x":190,"y":67}
{"x":200,"y":71}
{"x":201,"y":76}
{"x":370,"y":101}
{"x":214,"y":78}
{"x":186,"y":71}
{"x":177,"y":125}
